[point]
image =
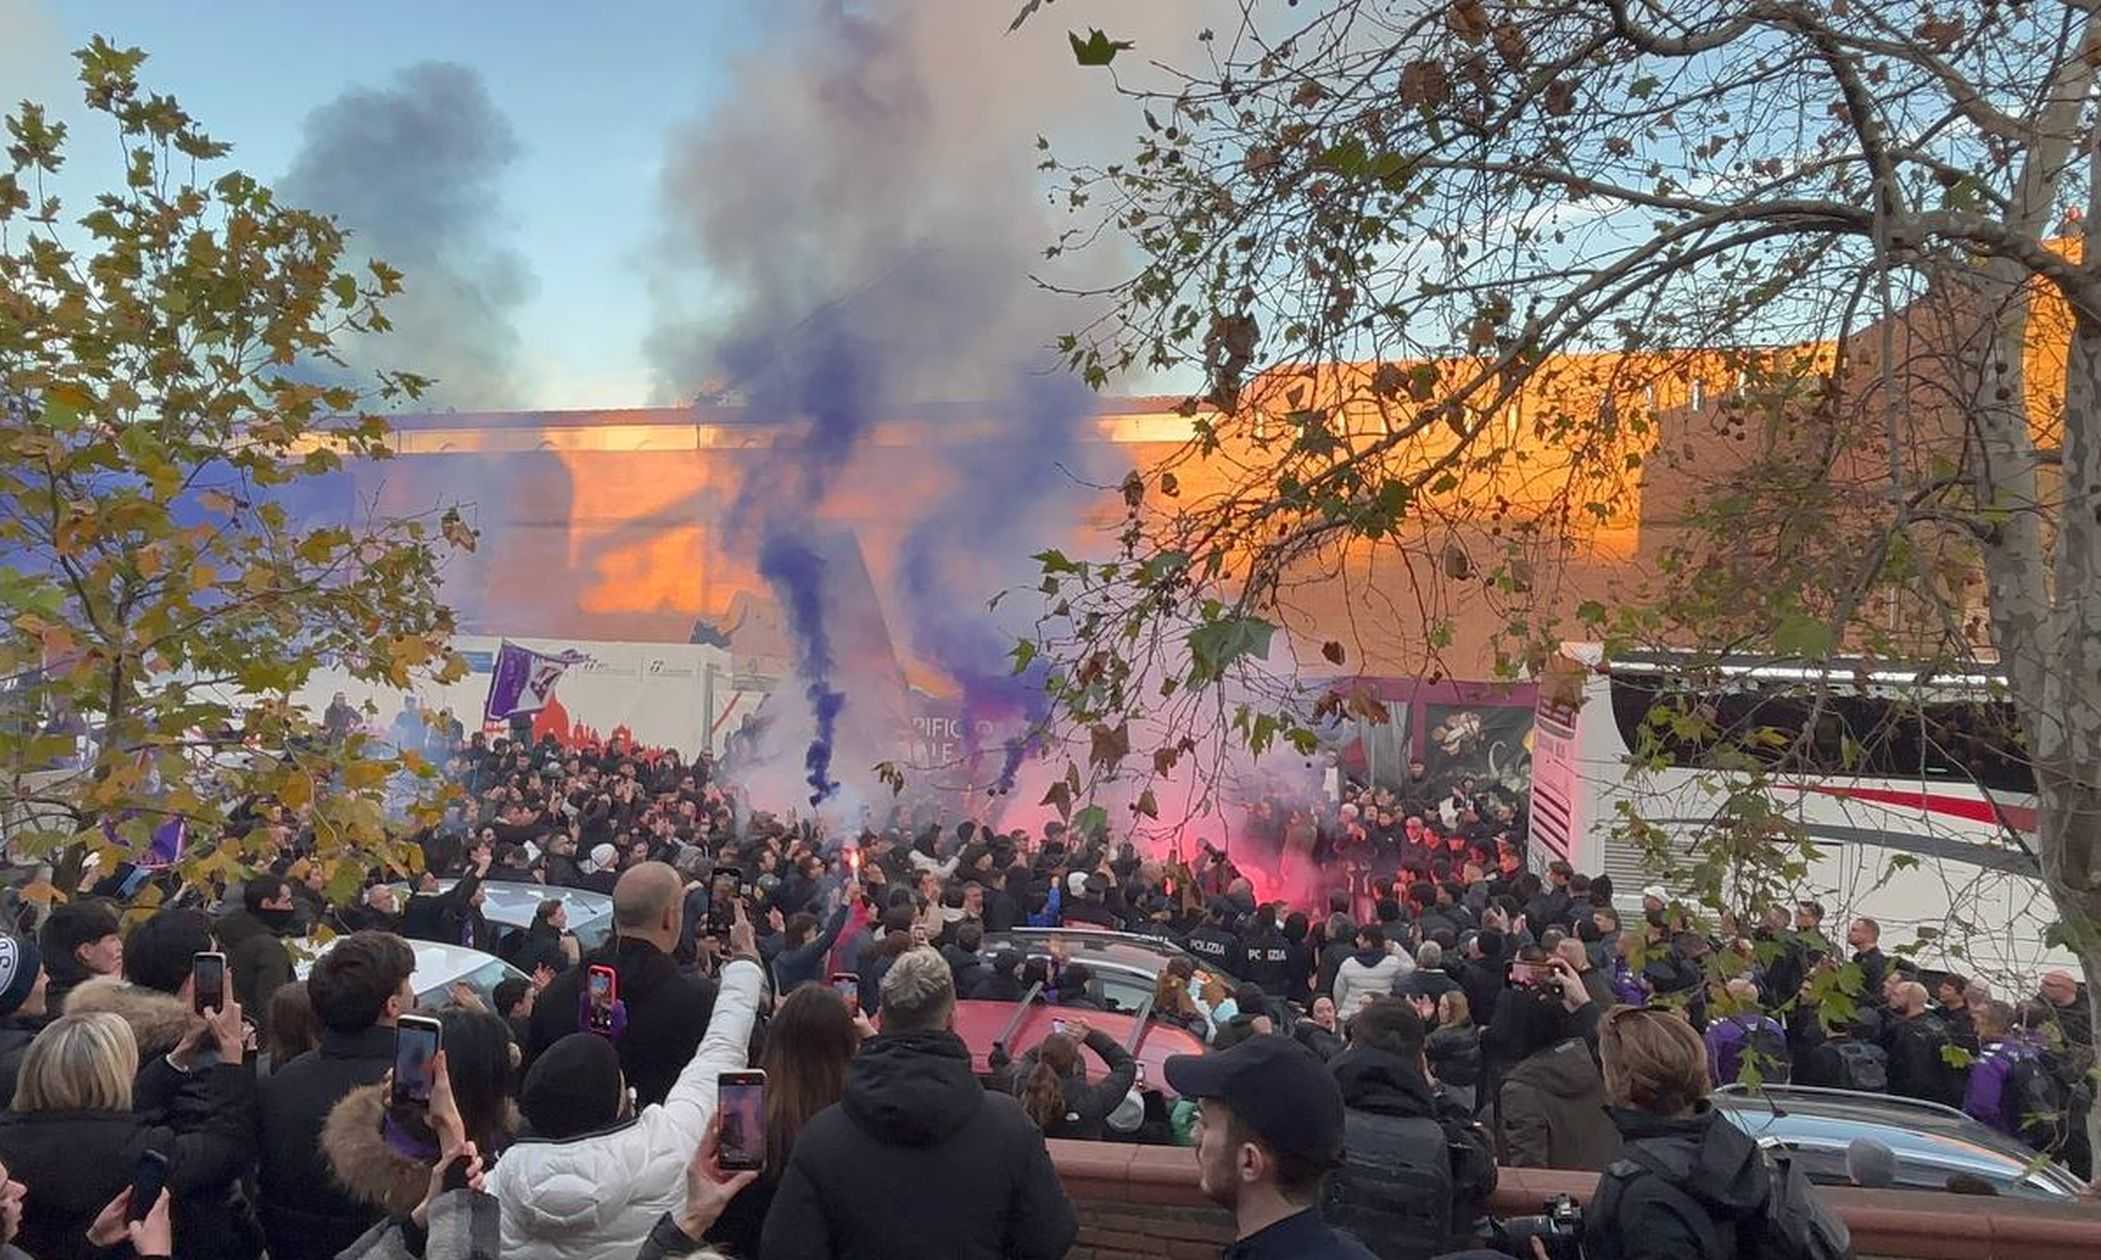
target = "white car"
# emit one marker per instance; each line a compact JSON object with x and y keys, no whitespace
{"x":438,"y":968}
{"x":511,"y":906}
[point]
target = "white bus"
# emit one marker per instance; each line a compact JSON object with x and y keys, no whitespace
{"x":1897,"y":766}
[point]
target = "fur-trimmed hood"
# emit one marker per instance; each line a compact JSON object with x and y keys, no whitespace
{"x":364,"y":1165}
{"x":371,"y":1171}
{"x":158,"y":1020}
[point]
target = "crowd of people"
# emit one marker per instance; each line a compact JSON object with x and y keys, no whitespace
{"x":1368,"y":1063}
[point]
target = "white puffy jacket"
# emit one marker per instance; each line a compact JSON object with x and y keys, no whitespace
{"x":596,"y":1197}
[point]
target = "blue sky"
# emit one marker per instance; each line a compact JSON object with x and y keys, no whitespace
{"x":591,"y":91}
{"x":594,"y":95}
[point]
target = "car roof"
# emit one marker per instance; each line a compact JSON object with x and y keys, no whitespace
{"x":1118,"y":949}
{"x":1919,"y":1133}
{"x":437,"y":964}
{"x":513,"y":904}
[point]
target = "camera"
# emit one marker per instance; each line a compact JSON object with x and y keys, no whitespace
{"x":1558,"y":1227}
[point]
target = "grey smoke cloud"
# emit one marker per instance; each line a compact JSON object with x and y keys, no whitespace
{"x":414,"y":169}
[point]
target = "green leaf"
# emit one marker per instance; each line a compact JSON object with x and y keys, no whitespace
{"x":1215,"y":646}
{"x":1055,"y":561}
{"x":1091,"y":821}
{"x":1024,"y":652}
{"x":1643,"y":88}
{"x":1097,"y":49}
{"x":1802,"y":635}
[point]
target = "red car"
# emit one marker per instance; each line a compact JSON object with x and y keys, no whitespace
{"x":980,"y":1024}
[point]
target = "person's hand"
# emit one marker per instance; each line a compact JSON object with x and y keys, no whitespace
{"x":1077,"y":1029}
{"x":149,"y":1237}
{"x":11,"y":1192}
{"x":227,"y":1029}
{"x":464,"y":996}
{"x":1573,"y":995}
{"x":445,"y":1110}
{"x":1425,"y":1007}
{"x":744,"y":939}
{"x":708,"y":1188}
{"x":861,"y":1023}
{"x":476,"y":1177}
{"x":1539,"y":1249}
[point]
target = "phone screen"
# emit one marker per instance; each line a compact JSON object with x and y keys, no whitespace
{"x":148,"y":1178}
{"x":415,"y":1045}
{"x":208,"y":981}
{"x":602,"y":983}
{"x":741,"y":1101}
{"x":848,"y":986}
{"x":1058,"y":1027}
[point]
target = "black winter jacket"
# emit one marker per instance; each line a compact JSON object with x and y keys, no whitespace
{"x":1717,"y":1180}
{"x":1415,"y":1172}
{"x":667,"y":1014}
{"x":306,"y":1213}
{"x":75,"y":1162}
{"x":1455,"y":1054}
{"x":257,"y":958}
{"x":1087,"y":1106}
{"x":919,"y":1160}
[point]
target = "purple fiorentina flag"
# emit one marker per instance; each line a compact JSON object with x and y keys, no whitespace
{"x":523,"y":680}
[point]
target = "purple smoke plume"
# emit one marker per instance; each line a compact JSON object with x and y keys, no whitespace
{"x":796,"y":574}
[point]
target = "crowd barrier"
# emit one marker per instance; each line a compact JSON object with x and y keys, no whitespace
{"x":1142,"y":1203}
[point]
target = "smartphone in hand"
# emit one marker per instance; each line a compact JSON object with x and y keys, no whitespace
{"x":417,"y":1040}
{"x":208,"y":982}
{"x":740,"y":1099}
{"x":602,"y":983}
{"x":148,"y":1178}
{"x":848,"y":986}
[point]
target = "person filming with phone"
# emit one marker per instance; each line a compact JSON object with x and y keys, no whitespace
{"x":662,"y":1012}
{"x":88,"y":1121}
{"x":596,"y":1168}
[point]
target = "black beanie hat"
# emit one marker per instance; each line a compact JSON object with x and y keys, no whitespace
{"x":573,"y":1088}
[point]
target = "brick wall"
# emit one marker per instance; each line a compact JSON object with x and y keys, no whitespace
{"x":1132,"y":1231}
{"x":1142,"y":1203}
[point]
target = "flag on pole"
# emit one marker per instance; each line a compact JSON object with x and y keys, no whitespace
{"x":523,"y":680}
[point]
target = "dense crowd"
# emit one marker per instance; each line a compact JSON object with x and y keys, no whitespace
{"x":1369,"y":1062}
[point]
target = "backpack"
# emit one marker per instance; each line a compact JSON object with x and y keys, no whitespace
{"x":2035,"y":1102}
{"x":1862,"y":1066}
{"x":1794,"y":1224}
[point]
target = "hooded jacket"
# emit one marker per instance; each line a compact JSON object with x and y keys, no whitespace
{"x":1551,"y":1111}
{"x":158,"y":1020}
{"x":918,"y":1159}
{"x":373,"y":1172}
{"x":596,"y":1197}
{"x":1715,"y":1179}
{"x":1415,"y":1174}
{"x":1368,"y":973}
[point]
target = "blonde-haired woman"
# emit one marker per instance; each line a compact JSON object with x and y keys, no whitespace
{"x":85,"y":1109}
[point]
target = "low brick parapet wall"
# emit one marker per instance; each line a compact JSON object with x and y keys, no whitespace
{"x":1142,"y":1203}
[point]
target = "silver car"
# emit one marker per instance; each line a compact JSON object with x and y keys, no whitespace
{"x":512,"y":906}
{"x":1931,"y":1142}
{"x":438,"y":968}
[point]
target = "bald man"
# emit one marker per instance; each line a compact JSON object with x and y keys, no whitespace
{"x":666,"y":1010}
{"x":2068,"y":1006}
{"x":1914,"y":1041}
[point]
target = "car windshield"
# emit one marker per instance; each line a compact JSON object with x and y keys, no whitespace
{"x":483,"y":980}
{"x":593,"y":932}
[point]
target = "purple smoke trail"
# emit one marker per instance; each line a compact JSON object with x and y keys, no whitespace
{"x":796,"y":574}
